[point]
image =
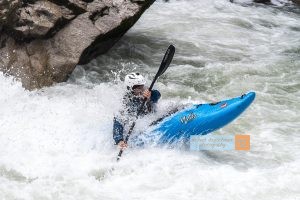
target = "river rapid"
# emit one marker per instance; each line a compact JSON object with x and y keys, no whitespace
{"x":56,"y":143}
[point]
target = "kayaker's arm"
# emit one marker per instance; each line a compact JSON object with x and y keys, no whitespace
{"x":118,"y":125}
{"x":153,"y":99}
{"x":118,"y":130}
{"x":155,"y":96}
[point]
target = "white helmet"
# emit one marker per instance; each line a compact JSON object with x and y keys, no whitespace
{"x":133,"y":79}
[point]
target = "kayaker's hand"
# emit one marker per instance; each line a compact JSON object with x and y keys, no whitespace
{"x":122,"y":145}
{"x":147,"y":94}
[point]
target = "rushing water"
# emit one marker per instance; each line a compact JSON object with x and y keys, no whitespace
{"x":56,"y":143}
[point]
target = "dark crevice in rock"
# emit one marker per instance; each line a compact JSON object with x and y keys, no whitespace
{"x":97,"y":14}
{"x":29,"y":1}
{"x":24,"y":23}
{"x":3,"y":42}
{"x":139,"y":2}
{"x":267,"y":2}
{"x":57,"y":26}
{"x":43,"y":12}
{"x":25,"y":3}
{"x":18,"y":36}
{"x":103,"y":43}
{"x":33,"y":83}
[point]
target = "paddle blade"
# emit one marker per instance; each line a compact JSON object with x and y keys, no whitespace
{"x":166,"y":60}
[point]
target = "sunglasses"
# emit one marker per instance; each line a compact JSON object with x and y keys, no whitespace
{"x":137,"y":87}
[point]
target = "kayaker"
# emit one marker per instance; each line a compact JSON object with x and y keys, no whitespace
{"x":132,"y":100}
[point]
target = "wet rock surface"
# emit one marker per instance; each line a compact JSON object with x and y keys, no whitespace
{"x":42,"y":41}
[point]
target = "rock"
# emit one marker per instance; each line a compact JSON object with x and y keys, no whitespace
{"x":38,"y":19}
{"x":42,"y":41}
{"x":7,"y":11}
{"x":296,"y":1}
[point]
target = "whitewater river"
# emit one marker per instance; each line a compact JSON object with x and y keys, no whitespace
{"x":56,"y":143}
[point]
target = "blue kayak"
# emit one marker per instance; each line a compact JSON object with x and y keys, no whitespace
{"x":199,"y":119}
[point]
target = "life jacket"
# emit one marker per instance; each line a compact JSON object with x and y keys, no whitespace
{"x":131,"y":104}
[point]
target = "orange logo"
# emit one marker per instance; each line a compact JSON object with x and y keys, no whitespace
{"x":242,"y":142}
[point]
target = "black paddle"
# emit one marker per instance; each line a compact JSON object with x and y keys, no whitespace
{"x":163,"y":67}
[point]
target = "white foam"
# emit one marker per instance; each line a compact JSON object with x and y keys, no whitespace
{"x":56,"y":143}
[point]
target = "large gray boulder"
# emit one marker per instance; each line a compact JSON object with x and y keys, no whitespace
{"x":296,"y":1}
{"x":42,"y":41}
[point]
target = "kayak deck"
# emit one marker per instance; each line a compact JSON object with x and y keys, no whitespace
{"x":199,"y":119}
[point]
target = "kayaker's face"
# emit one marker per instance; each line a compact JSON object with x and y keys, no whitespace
{"x":138,"y":89}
